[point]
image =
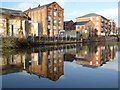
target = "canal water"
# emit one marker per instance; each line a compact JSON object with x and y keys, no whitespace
{"x":64,"y":66}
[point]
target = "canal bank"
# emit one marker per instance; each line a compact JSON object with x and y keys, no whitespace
{"x":13,"y":42}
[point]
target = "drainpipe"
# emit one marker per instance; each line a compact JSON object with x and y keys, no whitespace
{"x":21,"y":28}
{"x":7,"y":27}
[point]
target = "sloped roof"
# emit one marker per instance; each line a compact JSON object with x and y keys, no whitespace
{"x":91,"y":15}
{"x":5,"y":11}
{"x":40,"y":7}
{"x":81,"y":23}
{"x":66,"y":22}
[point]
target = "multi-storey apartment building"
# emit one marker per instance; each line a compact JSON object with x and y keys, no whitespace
{"x":113,"y":27}
{"x":101,"y":24}
{"x":50,"y":17}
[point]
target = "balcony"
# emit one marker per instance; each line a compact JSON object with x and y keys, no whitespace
{"x":102,"y":26}
{"x":103,"y":21}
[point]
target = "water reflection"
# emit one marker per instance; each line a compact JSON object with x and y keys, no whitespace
{"x":48,"y":61}
{"x":95,"y":56}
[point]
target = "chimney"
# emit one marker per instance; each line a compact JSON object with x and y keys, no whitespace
{"x":29,"y":8}
{"x":39,"y":5}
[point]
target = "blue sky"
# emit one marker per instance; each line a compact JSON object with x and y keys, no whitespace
{"x":72,"y":8}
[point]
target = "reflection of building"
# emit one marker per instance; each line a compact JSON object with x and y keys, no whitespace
{"x":47,"y":64}
{"x":95,"y":57}
{"x":12,"y":22}
{"x":50,"y":17}
{"x":12,"y":63}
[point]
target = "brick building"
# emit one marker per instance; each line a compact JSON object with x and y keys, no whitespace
{"x":50,"y":17}
{"x":113,"y":27}
{"x":86,"y":28}
{"x":69,"y":25}
{"x":101,"y":24}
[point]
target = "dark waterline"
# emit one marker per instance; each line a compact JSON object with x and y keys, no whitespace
{"x":64,"y":66}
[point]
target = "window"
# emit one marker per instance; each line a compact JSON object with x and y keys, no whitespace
{"x":97,"y":28}
{"x":96,"y":53}
{"x":97,"y":23}
{"x":78,"y":27}
{"x":96,"y":58}
{"x":82,"y":27}
{"x":59,"y":27}
{"x":98,"y":33}
{"x":54,"y":21}
{"x":91,"y":18}
{"x":48,"y":26}
{"x":90,"y":62}
{"x":48,"y":22}
{"x":55,"y":14}
{"x":97,"y":63}
{"x":85,"y":31}
{"x":48,"y":13}
{"x":54,"y":27}
{"x":59,"y":14}
{"x":97,"y":18}
{"x":59,"y":21}
{"x":55,"y":9}
{"x":49,"y":18}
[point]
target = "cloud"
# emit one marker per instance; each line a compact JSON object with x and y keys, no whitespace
{"x":111,"y":66}
{"x":25,"y":5}
{"x":111,"y":13}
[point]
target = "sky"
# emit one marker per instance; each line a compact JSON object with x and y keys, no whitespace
{"x":72,"y":8}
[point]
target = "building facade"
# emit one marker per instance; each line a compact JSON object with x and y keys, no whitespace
{"x":12,"y":22}
{"x":113,"y":27}
{"x":50,"y":17}
{"x":86,"y":28}
{"x":69,"y":25}
{"x":101,"y":24}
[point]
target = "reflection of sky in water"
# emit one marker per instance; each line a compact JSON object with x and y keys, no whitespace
{"x":75,"y":76}
{"x":113,"y":65}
